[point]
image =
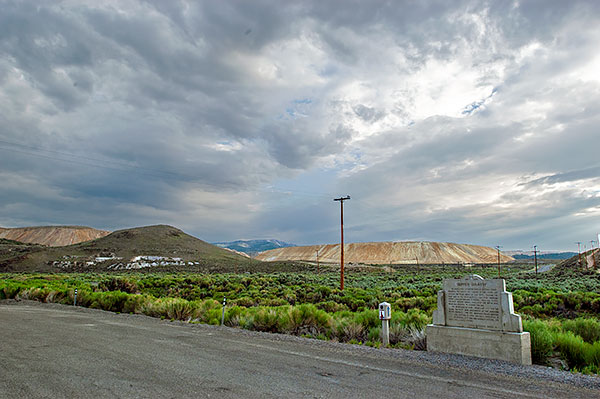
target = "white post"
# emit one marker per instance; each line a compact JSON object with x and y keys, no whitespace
{"x":75,"y":298}
{"x":385,"y":332}
{"x":223,"y":313}
{"x":385,"y":314}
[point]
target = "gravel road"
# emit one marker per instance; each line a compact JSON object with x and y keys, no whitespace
{"x":50,"y":350}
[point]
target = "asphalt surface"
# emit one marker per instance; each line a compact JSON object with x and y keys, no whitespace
{"x":49,"y":350}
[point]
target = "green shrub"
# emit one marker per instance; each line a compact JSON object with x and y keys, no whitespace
{"x":349,"y":330}
{"x":85,"y":298}
{"x":56,"y":297}
{"x":265,"y":319}
{"x":133,"y":304}
{"x":541,"y":340}
{"x":398,"y":333}
{"x":35,"y":294}
{"x":331,"y":306}
{"x":413,"y":317}
{"x":417,"y":338}
{"x":245,"y":301}
{"x":178,"y":309}
{"x":233,"y":316}
{"x":593,"y":355}
{"x":588,"y":329}
{"x":272,"y":302}
{"x":591,"y":369}
{"x":374,"y":334}
{"x":112,"y":301}
{"x":307,"y":319}
{"x":206,"y":311}
{"x":9,"y":291}
{"x":120,"y":284}
{"x":368,"y":318}
{"x":572,"y":349}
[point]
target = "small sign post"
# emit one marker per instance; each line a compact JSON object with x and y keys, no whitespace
{"x":75,"y":298}
{"x":223,"y":313}
{"x":385,"y":314}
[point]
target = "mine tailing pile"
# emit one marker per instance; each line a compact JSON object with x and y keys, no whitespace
{"x":52,"y":236}
{"x":408,"y":252}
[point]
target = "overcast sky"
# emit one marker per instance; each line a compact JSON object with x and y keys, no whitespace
{"x":463,"y":121}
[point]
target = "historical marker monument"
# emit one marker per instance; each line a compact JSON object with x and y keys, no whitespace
{"x":476,"y":317}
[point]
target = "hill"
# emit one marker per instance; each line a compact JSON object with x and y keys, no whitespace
{"x":156,"y":247}
{"x":389,"y":253}
{"x":549,"y":255}
{"x":52,"y":236}
{"x":15,"y":250}
{"x":589,"y":260}
{"x":253,"y":247}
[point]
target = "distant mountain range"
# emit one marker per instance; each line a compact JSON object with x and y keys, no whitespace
{"x":252,"y":247}
{"x":547,"y":255}
{"x":522,"y":254}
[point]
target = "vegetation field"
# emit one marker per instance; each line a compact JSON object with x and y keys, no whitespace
{"x":560,"y":308}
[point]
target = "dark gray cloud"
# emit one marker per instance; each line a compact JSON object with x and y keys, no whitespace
{"x":240,"y":119}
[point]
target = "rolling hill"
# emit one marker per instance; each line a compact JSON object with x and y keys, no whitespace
{"x":52,"y":236}
{"x":151,"y":247}
{"x":253,"y":247}
{"x":589,"y":260}
{"x":389,"y":253}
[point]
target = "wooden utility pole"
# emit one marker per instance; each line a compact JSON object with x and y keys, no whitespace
{"x":579,"y":252}
{"x":598,"y":250}
{"x":318,"y":261}
{"x":342,"y":199}
{"x":535,"y":259}
{"x":498,"y":248}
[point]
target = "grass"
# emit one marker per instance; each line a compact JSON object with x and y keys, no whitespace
{"x":542,"y":340}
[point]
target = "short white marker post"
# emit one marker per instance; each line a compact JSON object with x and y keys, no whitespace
{"x":223,"y":313}
{"x":385,"y":314}
{"x":75,"y":298}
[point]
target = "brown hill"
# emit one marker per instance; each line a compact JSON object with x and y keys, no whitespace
{"x":588,"y":260}
{"x":52,"y":236}
{"x":150,"y":248}
{"x":388,"y":253}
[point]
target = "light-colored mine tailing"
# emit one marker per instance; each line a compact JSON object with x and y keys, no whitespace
{"x":409,"y":252}
{"x":52,"y":236}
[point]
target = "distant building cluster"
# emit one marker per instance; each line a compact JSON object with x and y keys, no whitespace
{"x":137,"y":262}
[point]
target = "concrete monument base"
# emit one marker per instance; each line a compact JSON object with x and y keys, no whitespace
{"x":510,"y":346}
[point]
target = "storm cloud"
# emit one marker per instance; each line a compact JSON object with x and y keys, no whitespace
{"x":465,"y":121}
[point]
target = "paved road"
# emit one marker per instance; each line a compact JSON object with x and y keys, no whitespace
{"x":61,"y":351}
